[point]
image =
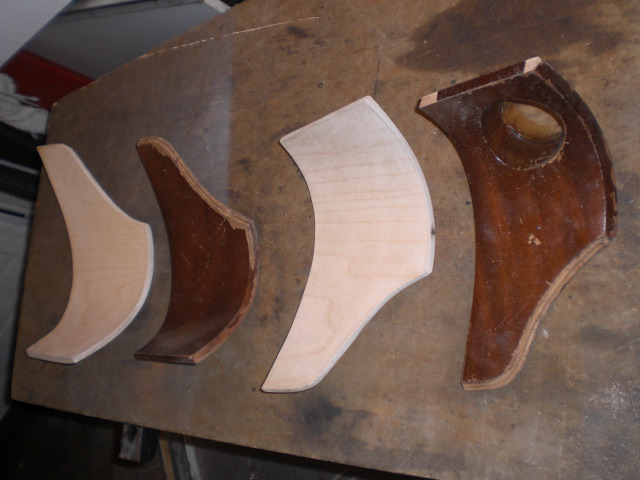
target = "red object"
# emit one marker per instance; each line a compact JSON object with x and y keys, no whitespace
{"x":38,"y":77}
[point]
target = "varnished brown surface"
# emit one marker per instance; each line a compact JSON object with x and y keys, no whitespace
{"x":223,"y":95}
{"x":543,"y":205}
{"x":213,"y":261}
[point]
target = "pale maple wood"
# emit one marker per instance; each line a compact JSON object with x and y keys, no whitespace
{"x":112,"y":257}
{"x":374,"y":235}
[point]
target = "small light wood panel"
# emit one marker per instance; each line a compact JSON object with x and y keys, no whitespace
{"x":374,"y":235}
{"x":112,"y":257}
{"x":544,"y":201}
{"x":214,"y":255}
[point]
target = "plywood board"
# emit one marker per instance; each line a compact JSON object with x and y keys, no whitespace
{"x":224,"y":94}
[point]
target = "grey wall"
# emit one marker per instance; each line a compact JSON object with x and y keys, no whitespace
{"x":95,"y":45}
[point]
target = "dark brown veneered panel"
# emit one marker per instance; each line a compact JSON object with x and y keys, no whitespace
{"x":213,"y":261}
{"x":544,"y":201}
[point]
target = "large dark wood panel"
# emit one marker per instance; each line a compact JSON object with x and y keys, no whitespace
{"x":223,"y":94}
{"x":544,"y":202}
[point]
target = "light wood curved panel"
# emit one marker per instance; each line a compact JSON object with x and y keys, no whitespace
{"x":112,"y":258}
{"x":374,"y":235}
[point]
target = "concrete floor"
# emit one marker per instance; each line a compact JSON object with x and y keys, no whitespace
{"x":38,"y":443}
{"x":14,"y":230}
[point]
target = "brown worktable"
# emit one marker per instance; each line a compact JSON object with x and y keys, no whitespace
{"x":223,"y":94}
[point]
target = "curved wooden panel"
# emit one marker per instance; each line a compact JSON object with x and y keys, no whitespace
{"x":544,"y":202}
{"x":374,"y":235}
{"x":112,"y":257}
{"x":214,"y":253}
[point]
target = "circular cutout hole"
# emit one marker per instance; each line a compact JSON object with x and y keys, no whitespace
{"x":531,"y":122}
{"x":522,"y":135}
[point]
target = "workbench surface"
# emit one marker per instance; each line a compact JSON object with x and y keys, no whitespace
{"x":223,"y":94}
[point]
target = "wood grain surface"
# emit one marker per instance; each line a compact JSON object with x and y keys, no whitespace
{"x":214,"y":270}
{"x":112,"y":262}
{"x":374,"y":235}
{"x":543,"y":204}
{"x":223,"y":95}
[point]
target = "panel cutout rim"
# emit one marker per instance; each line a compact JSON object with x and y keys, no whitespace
{"x":523,"y":134}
